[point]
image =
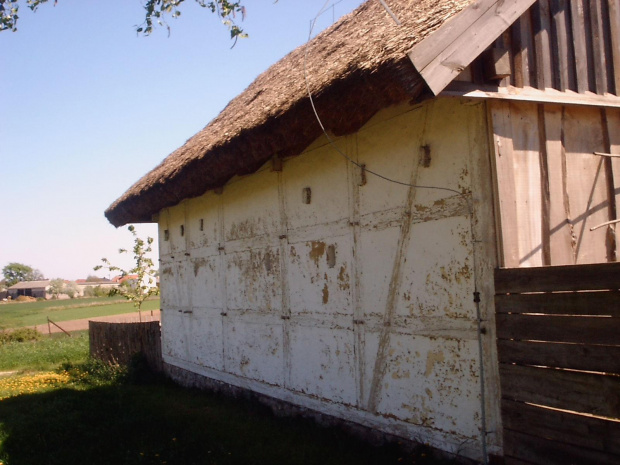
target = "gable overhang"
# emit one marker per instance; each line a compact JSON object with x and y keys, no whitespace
{"x":445,"y":53}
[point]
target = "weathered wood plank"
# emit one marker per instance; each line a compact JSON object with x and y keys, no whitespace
{"x":563,"y":57}
{"x":561,"y":244}
{"x":462,"y":89}
{"x":605,"y":359}
{"x":612,"y":245}
{"x":578,"y":430}
{"x":565,"y":303}
{"x":538,"y":450}
{"x":544,"y":188}
{"x":502,"y":142}
{"x":579,"y":41}
{"x":598,"y":46}
{"x":465,"y":43}
{"x":613,"y":123}
{"x":559,"y":328}
{"x":598,"y":276}
{"x":517,"y":53}
{"x":526,"y":162}
{"x":587,"y":183}
{"x":614,"y":23}
{"x":424,"y":52}
{"x":594,"y":394}
{"x":542,"y":41}
{"x":527,"y":51}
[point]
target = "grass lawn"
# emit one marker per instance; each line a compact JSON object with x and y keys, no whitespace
{"x":16,"y":315}
{"x":86,"y":412}
{"x":48,"y":353}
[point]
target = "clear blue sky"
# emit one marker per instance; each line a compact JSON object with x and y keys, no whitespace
{"x":87,"y":107}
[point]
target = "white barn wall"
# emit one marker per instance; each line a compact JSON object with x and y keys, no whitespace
{"x":386,"y":335}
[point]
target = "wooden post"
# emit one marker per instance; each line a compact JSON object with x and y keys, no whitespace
{"x":50,"y":321}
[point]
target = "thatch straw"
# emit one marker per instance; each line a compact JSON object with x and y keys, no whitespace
{"x":355,"y":68}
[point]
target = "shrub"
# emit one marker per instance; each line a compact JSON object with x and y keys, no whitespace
{"x":19,"y":335}
{"x":94,"y":372}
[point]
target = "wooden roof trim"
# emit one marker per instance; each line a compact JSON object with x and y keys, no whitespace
{"x":441,"y":56}
{"x":530,"y":94}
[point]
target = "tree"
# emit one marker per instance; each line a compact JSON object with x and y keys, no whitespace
{"x":17,"y":272}
{"x":71,"y":289}
{"x":156,"y":11}
{"x":93,"y":279}
{"x":144,"y":285}
{"x":57,"y":287}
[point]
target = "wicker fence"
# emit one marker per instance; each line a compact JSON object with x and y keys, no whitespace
{"x":558,"y":331}
{"x":119,"y":342}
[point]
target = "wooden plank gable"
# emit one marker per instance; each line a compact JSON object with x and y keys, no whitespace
{"x":446,"y":53}
{"x":566,"y":45}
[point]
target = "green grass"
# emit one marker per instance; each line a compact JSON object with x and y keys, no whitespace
{"x":16,"y":315}
{"x":160,"y":423}
{"x":86,"y":412}
{"x":45,"y":354}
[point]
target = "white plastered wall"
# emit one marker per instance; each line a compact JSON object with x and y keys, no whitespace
{"x":360,"y":303}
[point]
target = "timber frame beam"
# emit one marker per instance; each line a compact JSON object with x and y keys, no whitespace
{"x":530,"y":94}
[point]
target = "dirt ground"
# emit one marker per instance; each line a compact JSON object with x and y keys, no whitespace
{"x":79,"y":325}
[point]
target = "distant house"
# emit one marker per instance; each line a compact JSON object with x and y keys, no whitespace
{"x":36,"y":289}
{"x":103,"y":283}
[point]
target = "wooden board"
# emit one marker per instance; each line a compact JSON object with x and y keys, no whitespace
{"x":517,"y":160}
{"x":579,"y":430}
{"x":561,"y":243}
{"x":613,"y":125}
{"x":593,"y":394}
{"x":604,"y":359}
{"x":462,"y":41}
{"x":586,"y":181}
{"x":489,"y":92}
{"x":576,"y":329}
{"x":505,"y":182}
{"x":565,"y":303}
{"x":598,"y":46}
{"x":564,"y":60}
{"x":614,"y":22}
{"x":527,"y":175}
{"x":542,"y":43}
{"x":579,"y":44}
{"x":558,"y":278}
{"x":535,"y":449}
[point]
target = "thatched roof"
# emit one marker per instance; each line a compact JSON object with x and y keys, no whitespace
{"x":355,"y":68}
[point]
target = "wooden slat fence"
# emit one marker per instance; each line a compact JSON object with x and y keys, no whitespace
{"x":558,"y":340}
{"x":119,"y":342}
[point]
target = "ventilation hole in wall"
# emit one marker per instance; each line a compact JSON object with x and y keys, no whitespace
{"x":202,"y":224}
{"x":306,"y":195}
{"x":166,"y":235}
{"x":331,"y":256}
{"x":182,"y":230}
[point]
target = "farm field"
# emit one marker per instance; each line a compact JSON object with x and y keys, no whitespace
{"x":17,"y":315}
{"x":75,"y":410}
